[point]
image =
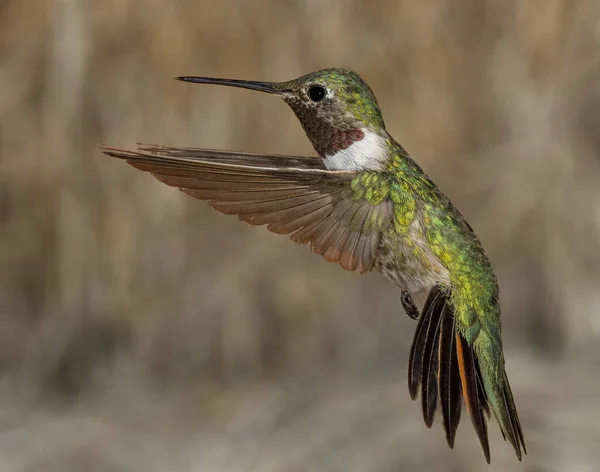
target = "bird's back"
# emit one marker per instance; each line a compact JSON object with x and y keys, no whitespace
{"x":430,"y":241}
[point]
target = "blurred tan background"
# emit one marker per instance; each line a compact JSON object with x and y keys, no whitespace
{"x":142,"y":331}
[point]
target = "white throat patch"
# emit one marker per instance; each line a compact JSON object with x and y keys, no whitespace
{"x":367,"y":154}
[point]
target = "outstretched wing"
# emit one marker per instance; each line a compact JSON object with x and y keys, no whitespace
{"x":296,"y":195}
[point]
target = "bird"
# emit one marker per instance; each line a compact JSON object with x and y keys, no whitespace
{"x":365,"y":204}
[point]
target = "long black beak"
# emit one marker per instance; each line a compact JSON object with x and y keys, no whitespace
{"x":268,"y":87}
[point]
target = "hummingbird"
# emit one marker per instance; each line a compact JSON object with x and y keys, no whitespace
{"x":366,"y":204}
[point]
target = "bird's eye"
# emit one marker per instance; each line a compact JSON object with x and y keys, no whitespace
{"x":316,"y":93}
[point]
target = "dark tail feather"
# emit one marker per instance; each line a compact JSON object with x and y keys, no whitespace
{"x":422,"y":333}
{"x":429,"y":381}
{"x":513,"y":433}
{"x":446,"y":367}
{"x":449,"y":376}
{"x":468,"y":367}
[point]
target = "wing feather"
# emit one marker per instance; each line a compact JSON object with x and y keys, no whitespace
{"x":233,"y":157}
{"x":290,"y":194}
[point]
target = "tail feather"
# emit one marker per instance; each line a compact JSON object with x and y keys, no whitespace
{"x":483,"y":399}
{"x":446,"y":367}
{"x":449,"y":377}
{"x":429,"y":383}
{"x":514,"y":434}
{"x":467,"y":363}
{"x":433,"y":305}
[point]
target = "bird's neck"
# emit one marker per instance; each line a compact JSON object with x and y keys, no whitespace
{"x":360,"y":149}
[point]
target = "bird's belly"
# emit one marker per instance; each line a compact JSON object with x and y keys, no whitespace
{"x":407,"y":261}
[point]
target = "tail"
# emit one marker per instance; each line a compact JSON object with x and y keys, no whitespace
{"x":446,"y":367}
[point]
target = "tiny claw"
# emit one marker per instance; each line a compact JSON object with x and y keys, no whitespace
{"x":408,"y":305}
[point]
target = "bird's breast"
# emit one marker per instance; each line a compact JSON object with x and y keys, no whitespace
{"x":406,"y":260}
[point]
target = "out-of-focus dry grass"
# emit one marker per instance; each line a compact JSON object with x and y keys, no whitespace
{"x":140,"y":330}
